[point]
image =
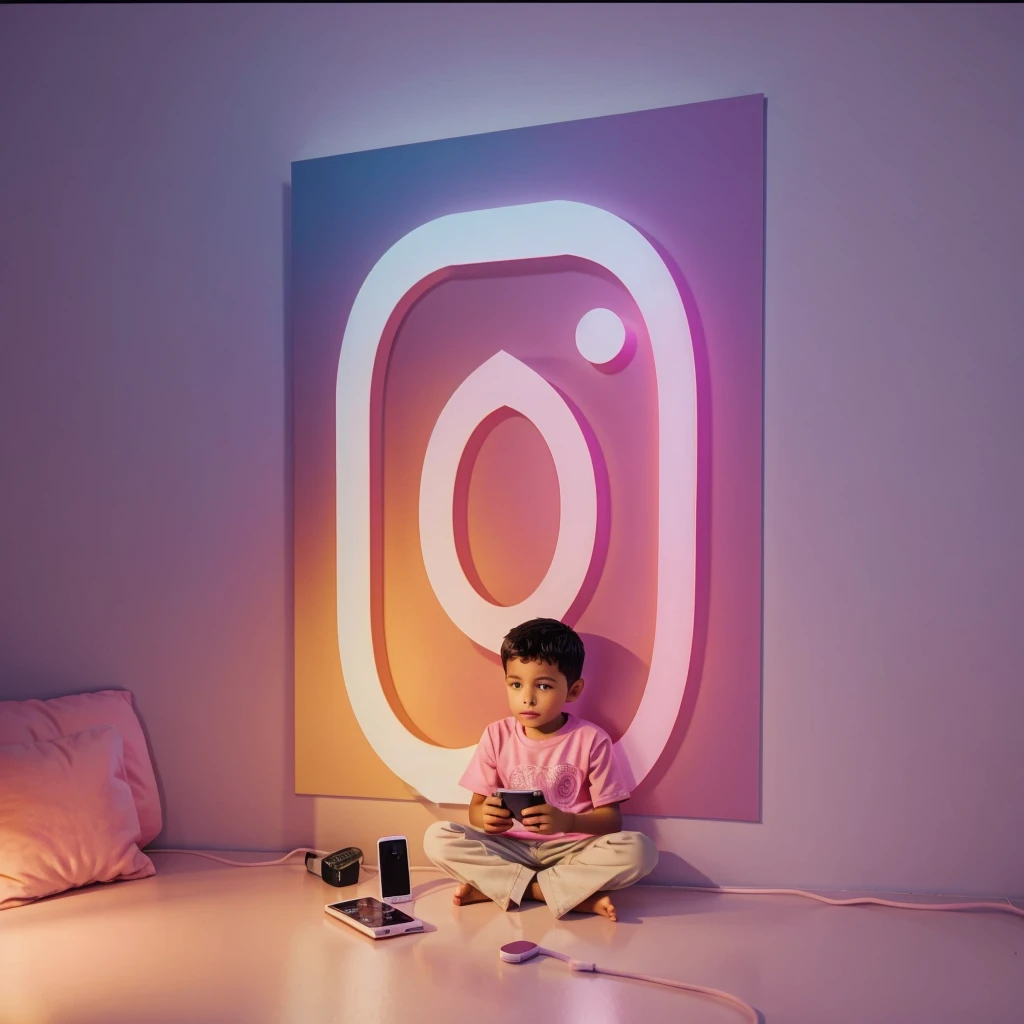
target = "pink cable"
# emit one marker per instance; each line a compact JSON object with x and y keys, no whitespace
{"x":245,"y":863}
{"x":1006,"y":908}
{"x":748,"y":1010}
{"x":271,"y":863}
{"x":583,"y":965}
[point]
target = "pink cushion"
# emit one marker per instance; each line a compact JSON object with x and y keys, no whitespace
{"x":23,"y":721}
{"x":67,"y":816}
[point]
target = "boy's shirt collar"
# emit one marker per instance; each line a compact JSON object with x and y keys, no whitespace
{"x":568,"y":726}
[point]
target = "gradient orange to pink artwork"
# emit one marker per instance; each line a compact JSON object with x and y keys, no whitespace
{"x":492,"y":502}
{"x":448,"y":687}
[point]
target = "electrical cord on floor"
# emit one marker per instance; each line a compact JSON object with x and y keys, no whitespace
{"x":270,"y":863}
{"x":245,"y":863}
{"x":522,"y":950}
{"x":581,"y":965}
{"x":1007,"y":907}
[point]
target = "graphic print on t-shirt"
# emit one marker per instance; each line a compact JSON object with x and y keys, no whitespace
{"x":560,"y":782}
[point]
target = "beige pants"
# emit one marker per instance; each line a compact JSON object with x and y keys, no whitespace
{"x":568,"y":871}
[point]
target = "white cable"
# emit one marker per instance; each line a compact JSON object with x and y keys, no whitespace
{"x":1007,"y":907}
{"x":748,"y":1010}
{"x":272,"y":863}
{"x":245,"y":863}
{"x":584,"y":965}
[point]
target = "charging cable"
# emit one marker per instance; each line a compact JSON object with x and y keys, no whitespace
{"x":272,"y":863}
{"x":1006,"y":907}
{"x":245,"y":863}
{"x":521,"y":951}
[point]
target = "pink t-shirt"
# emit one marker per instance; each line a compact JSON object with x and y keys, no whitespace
{"x":575,"y":768}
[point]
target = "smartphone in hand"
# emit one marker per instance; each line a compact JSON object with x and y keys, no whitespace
{"x":517,"y":800}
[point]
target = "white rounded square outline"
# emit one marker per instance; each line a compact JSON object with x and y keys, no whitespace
{"x":502,"y":234}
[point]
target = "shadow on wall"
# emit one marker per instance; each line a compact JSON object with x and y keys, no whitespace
{"x":681,"y":872}
{"x":615,"y":679}
{"x":298,"y":813}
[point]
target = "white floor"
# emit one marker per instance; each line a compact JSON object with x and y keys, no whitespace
{"x":204,"y":943}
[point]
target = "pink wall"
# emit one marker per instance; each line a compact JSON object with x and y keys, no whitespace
{"x":145,"y":523}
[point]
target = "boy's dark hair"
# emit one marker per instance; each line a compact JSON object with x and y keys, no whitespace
{"x":545,"y":640}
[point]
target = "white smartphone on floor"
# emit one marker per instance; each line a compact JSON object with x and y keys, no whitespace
{"x":373,"y":918}
{"x":393,"y":862}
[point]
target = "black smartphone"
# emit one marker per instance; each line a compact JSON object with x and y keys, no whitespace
{"x":393,"y":861}
{"x":517,"y":800}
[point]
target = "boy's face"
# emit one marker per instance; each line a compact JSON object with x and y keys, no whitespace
{"x":536,"y":692}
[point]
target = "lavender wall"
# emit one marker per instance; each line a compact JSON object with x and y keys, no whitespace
{"x":145,"y":524}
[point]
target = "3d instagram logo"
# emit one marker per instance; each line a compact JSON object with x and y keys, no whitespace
{"x":513,"y":234}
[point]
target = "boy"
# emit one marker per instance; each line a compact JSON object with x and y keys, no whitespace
{"x":572,"y":852}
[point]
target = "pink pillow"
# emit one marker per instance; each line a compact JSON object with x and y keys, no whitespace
{"x":67,"y":817}
{"x":24,"y":721}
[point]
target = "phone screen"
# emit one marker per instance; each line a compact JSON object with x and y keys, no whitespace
{"x":394,"y":868}
{"x":372,"y":913}
{"x":517,"y":800}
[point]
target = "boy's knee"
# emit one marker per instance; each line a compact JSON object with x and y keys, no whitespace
{"x":644,"y":852}
{"x":437,"y":835}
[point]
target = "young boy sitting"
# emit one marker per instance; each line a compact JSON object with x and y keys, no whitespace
{"x":571,"y":852}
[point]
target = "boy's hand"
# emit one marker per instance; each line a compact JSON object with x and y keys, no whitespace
{"x":546,"y":820}
{"x":497,"y":817}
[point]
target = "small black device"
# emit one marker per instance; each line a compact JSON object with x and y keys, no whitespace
{"x":393,"y":860}
{"x":517,"y":800}
{"x":338,"y":869}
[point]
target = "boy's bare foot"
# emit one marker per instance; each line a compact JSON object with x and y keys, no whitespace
{"x":466,"y":894}
{"x":599,"y":903}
